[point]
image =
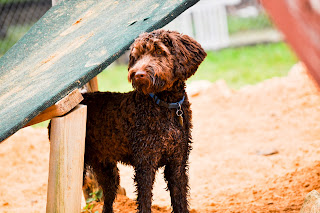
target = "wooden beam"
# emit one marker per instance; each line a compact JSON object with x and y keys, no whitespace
{"x":66,"y":161}
{"x":92,"y":85}
{"x":62,"y":107}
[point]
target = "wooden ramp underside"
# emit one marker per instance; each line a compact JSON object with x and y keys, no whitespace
{"x":73,"y":42}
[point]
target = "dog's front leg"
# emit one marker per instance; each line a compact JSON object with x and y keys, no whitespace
{"x":177,"y":180}
{"x":144,"y":178}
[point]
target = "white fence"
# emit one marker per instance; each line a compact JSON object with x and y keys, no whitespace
{"x":206,"y":22}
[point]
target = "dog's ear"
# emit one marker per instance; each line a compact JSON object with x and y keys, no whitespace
{"x":131,"y":58}
{"x":189,"y":54}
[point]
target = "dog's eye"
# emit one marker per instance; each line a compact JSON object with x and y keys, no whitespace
{"x":159,"y":52}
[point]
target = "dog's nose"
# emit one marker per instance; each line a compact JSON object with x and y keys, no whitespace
{"x":140,"y":74}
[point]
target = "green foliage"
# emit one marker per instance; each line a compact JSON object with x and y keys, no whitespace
{"x":91,"y":202}
{"x":95,"y":196}
{"x":238,"y":24}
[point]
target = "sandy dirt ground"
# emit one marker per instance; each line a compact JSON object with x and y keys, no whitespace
{"x":256,"y":149}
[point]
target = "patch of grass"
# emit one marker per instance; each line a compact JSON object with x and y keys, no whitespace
{"x":115,"y":79}
{"x":246,"y":65}
{"x":92,"y":201}
{"x":43,"y":124}
{"x":238,"y":24}
{"x":237,"y":66}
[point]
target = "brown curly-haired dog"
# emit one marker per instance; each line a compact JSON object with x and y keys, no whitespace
{"x":149,"y":127}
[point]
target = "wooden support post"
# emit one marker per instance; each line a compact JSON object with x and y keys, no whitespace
{"x":66,"y":161}
{"x":93,"y":85}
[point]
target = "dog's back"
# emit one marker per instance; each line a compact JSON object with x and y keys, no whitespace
{"x":106,"y":126}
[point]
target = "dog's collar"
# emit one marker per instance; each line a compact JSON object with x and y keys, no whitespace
{"x":176,"y":105}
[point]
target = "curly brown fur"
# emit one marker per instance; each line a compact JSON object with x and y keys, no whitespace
{"x":131,"y":128}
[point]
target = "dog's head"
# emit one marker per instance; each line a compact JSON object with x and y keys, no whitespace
{"x":160,"y":58}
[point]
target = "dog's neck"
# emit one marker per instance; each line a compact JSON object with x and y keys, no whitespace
{"x":174,"y":94}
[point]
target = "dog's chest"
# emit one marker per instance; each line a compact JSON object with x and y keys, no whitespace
{"x":158,"y":126}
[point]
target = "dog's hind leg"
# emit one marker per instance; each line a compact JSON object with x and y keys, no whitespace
{"x":107,"y":175}
{"x":90,"y":184}
{"x":144,"y":178}
{"x":176,"y":176}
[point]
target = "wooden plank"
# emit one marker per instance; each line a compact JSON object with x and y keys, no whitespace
{"x":91,"y":86}
{"x":66,"y":161}
{"x":68,"y":46}
{"x":299,"y":21}
{"x":60,"y":108}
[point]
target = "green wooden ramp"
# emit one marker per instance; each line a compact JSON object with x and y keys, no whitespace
{"x":73,"y":42}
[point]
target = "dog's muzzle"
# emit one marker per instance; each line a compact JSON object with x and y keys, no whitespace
{"x":140,"y":75}
{"x":140,"y":80}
